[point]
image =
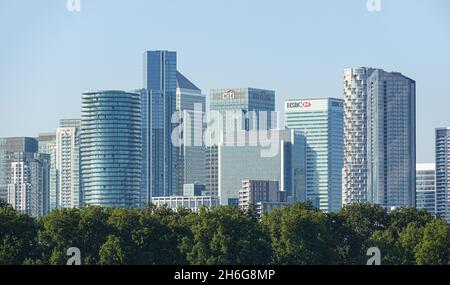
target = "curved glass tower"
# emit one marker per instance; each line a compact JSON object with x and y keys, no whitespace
{"x":111,"y":146}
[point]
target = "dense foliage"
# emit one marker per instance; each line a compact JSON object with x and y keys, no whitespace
{"x":298,"y":234}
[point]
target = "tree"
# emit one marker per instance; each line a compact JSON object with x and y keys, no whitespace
{"x":111,"y":252}
{"x":358,"y":223}
{"x":434,"y":248}
{"x":226,"y":236}
{"x":17,"y":236}
{"x":299,"y":235}
{"x":59,"y":232}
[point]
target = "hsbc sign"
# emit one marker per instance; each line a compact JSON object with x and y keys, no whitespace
{"x":298,"y":105}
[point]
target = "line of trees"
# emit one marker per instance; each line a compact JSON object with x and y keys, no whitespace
{"x":297,"y":235}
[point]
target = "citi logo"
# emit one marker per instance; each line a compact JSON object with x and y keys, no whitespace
{"x":229,"y":95}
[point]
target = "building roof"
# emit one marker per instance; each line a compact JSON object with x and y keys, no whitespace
{"x":184,"y":83}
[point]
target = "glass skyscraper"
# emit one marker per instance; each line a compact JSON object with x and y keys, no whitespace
{"x":391,"y":139}
{"x":321,"y":122}
{"x":426,"y":187}
{"x":443,"y":173}
{"x":111,"y":148}
{"x":191,"y":105}
{"x":250,"y":103}
{"x":159,"y":104}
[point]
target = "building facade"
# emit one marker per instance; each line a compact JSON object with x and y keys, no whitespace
{"x":13,"y":149}
{"x":354,"y":173}
{"x":47,"y":145}
{"x":28,"y":188}
{"x":443,"y":173}
{"x":233,"y":110}
{"x":111,"y":149}
{"x":194,"y":203}
{"x":391,"y":139}
{"x":321,"y":122}
{"x":263,"y":195}
{"x":68,"y":164}
{"x":426,"y":187}
{"x":191,"y":106}
{"x":278,"y":158}
{"x":159,"y":104}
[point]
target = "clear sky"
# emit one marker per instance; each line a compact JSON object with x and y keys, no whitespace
{"x":49,"y":56}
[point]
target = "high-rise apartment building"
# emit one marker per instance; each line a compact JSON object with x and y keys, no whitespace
{"x":28,"y":188}
{"x":443,"y":173}
{"x":391,"y":139}
{"x":111,"y":149}
{"x":321,"y":122}
{"x":234,"y":110}
{"x":13,"y":150}
{"x":379,"y":138}
{"x":67,"y":163}
{"x":47,"y":145}
{"x":354,"y":173}
{"x":426,"y":187}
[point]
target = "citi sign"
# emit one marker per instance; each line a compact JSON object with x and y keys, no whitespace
{"x":229,"y":95}
{"x":293,"y":105}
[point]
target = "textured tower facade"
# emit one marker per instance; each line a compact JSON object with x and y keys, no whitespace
{"x":354,"y":173}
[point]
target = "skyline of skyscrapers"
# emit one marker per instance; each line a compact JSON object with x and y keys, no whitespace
{"x":122,"y":152}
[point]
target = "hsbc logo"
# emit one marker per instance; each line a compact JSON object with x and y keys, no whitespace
{"x":293,"y":105}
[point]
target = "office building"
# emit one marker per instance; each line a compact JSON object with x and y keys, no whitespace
{"x":233,"y":110}
{"x":160,"y":82}
{"x":193,"y":189}
{"x":321,"y":122}
{"x":426,"y":187}
{"x":190,"y":104}
{"x":391,"y":140}
{"x":443,"y":173}
{"x":280,"y":157}
{"x":111,"y":149}
{"x":262,"y":194}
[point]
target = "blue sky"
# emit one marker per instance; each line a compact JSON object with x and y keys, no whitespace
{"x":49,"y":56}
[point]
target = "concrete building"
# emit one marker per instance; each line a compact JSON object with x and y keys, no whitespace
{"x":263,"y":195}
{"x":443,"y":173}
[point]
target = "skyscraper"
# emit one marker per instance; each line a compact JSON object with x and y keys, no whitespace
{"x":255,"y":107}
{"x":425,"y":187}
{"x":391,"y":139}
{"x":67,"y":163}
{"x":13,"y":150}
{"x":321,"y":122}
{"x":28,"y":187}
{"x":47,"y":145}
{"x":354,"y":173}
{"x":159,"y":104}
{"x":190,"y":103}
{"x":443,"y":173}
{"x":111,"y":148}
